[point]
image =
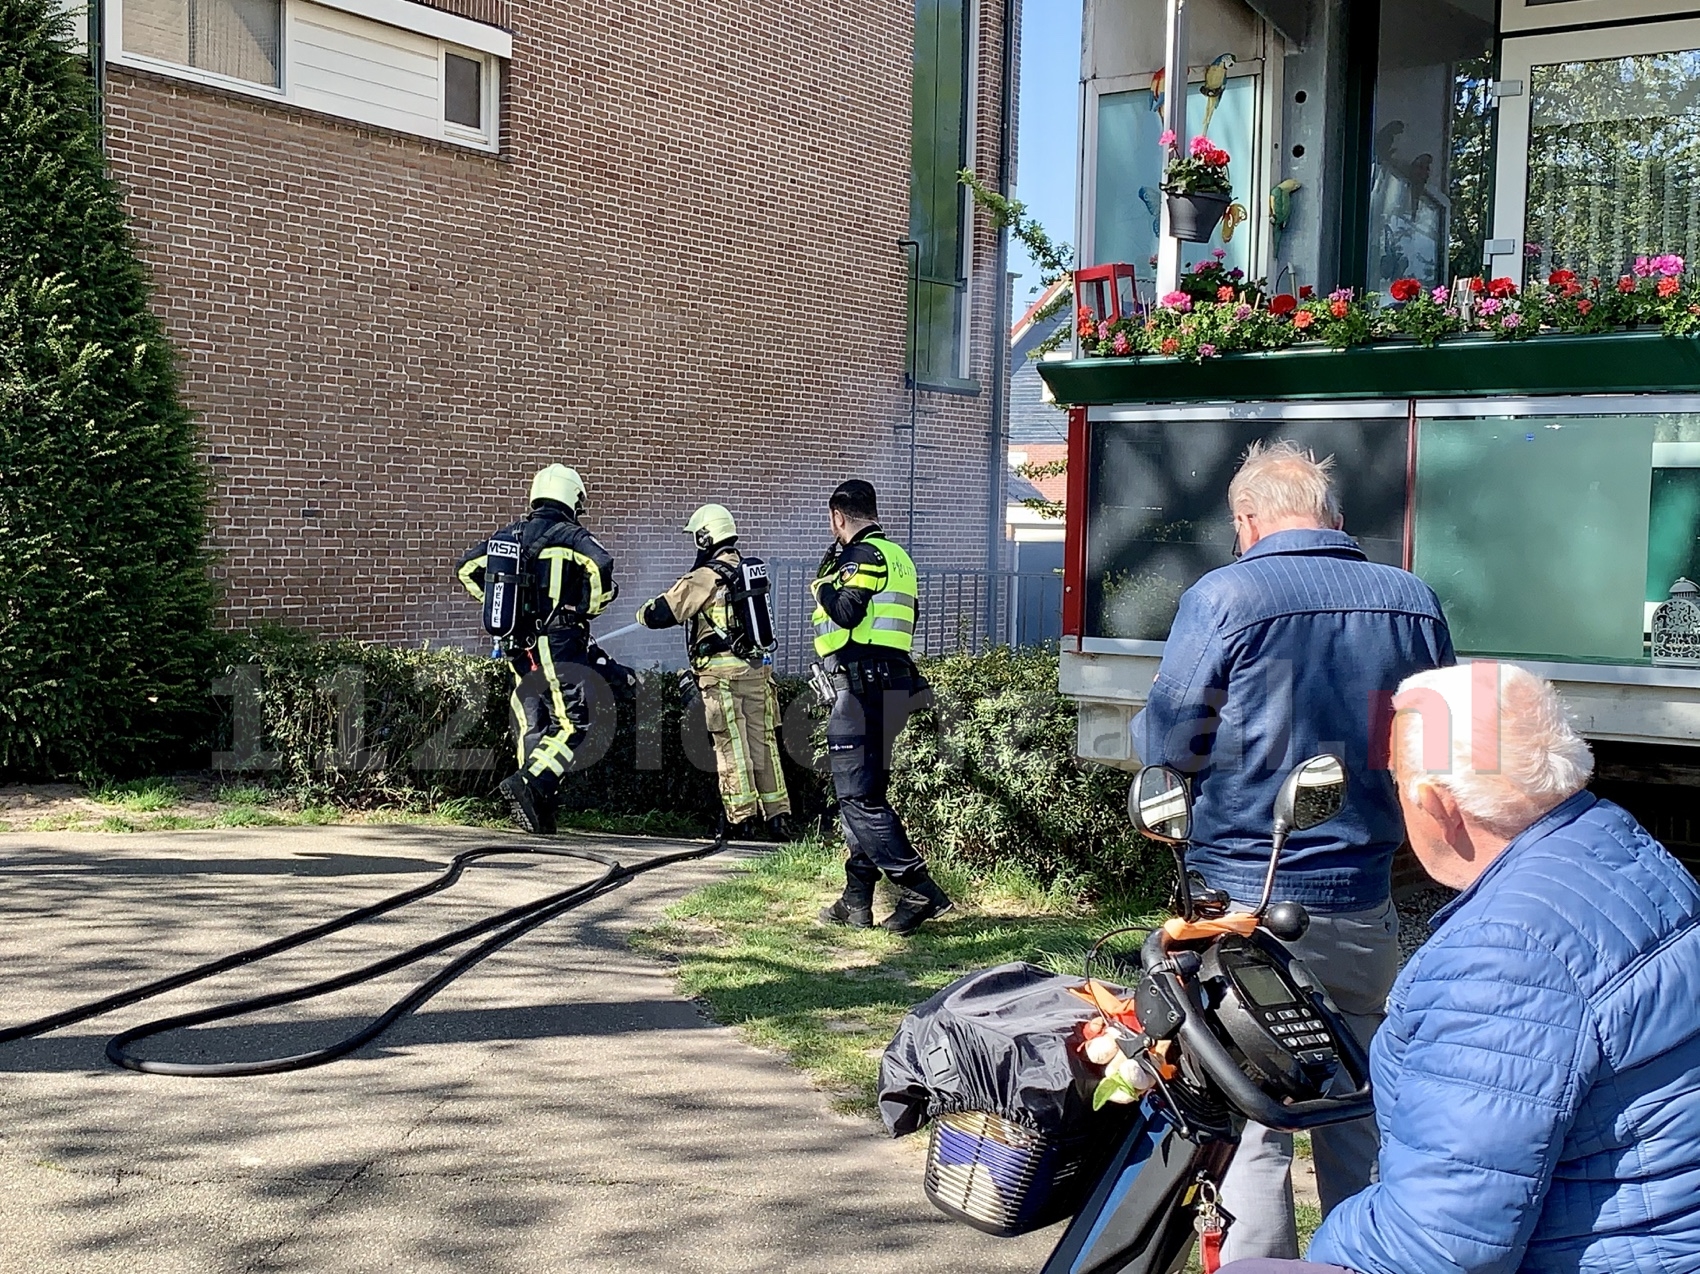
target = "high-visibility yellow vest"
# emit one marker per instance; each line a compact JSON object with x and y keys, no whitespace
{"x":890,"y":620}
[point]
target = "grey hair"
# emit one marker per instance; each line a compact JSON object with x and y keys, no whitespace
{"x":1284,"y":480}
{"x":1510,"y":775}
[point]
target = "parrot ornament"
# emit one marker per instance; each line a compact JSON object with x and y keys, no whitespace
{"x":1232,"y":219}
{"x":1148,"y":197}
{"x":1281,"y":208}
{"x":1157,"y":78}
{"x":1215,"y":84}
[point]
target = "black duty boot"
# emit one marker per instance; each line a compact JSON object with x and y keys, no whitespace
{"x":523,"y":804}
{"x":782,"y":829}
{"x":919,"y":899}
{"x":727,"y":830}
{"x":855,"y":909}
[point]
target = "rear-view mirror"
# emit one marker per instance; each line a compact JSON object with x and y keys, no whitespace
{"x":1313,"y":793}
{"x":1160,"y":804}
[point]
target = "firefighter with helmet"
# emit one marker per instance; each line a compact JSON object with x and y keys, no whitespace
{"x":864,"y":620}
{"x":722,"y":604}
{"x":542,"y":580}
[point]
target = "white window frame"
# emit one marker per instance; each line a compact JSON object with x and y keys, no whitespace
{"x":1527,"y":15}
{"x":491,"y":45}
{"x":966,"y":207}
{"x":1518,"y":56}
{"x":489,"y":89}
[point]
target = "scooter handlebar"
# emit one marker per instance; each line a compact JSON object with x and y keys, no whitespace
{"x":1242,"y":1092}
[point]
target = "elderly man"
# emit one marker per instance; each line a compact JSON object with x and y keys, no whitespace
{"x":1537,"y":1081}
{"x":1278,"y":656}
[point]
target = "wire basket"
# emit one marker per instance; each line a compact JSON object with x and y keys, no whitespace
{"x":1000,"y":1177}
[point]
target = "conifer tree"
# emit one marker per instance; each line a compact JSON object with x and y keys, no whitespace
{"x":105,"y":603}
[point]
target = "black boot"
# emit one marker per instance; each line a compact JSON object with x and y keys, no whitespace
{"x":727,"y":830}
{"x":782,"y":829}
{"x":855,"y":909}
{"x":530,"y":813}
{"x":919,"y":900}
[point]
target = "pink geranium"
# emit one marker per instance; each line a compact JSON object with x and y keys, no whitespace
{"x":1120,"y":344}
{"x":1207,"y":350}
{"x":1644,"y":268}
{"x":1176,"y":301}
{"x":1168,"y":137}
{"x":1669,"y":264}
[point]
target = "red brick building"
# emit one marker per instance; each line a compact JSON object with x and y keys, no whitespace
{"x":411,"y":253}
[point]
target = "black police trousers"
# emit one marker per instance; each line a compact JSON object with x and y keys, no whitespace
{"x":859,"y":735}
{"x":551,"y":707}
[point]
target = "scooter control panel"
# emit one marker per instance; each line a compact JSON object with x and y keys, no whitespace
{"x":1270,"y":1018}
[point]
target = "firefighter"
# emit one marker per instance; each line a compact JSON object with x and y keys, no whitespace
{"x":728,"y":637}
{"x":540,"y":601}
{"x":864,"y":620}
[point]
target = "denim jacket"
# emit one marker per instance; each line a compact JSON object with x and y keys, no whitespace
{"x":1292,"y":650}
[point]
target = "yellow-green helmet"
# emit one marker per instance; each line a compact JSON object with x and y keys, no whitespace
{"x":711,"y":525}
{"x":560,"y":484}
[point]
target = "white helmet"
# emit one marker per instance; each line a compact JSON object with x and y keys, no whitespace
{"x":560,"y":484}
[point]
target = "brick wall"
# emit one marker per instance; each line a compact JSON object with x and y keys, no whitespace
{"x":680,"y":276}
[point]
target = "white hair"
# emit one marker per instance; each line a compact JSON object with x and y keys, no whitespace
{"x":1513,"y":754}
{"x":1284,"y":480}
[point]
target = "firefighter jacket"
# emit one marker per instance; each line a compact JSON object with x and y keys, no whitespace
{"x":572,"y":574}
{"x":700,"y":601}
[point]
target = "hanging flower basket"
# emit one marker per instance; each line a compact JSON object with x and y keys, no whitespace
{"x":1196,"y":185}
{"x":1193,"y":218}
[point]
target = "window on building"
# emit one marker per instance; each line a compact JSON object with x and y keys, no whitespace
{"x":1431,"y":163}
{"x":1157,"y":513}
{"x":1599,"y":159}
{"x":1127,"y":197}
{"x":410,"y":68}
{"x":463,"y":91}
{"x":238,"y":39}
{"x":938,"y":208}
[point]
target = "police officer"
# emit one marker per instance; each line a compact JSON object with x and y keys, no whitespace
{"x":732,"y":673}
{"x":567,"y":579}
{"x":864,"y":623}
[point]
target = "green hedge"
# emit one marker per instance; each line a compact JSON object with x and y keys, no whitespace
{"x":986,"y":776}
{"x":989,"y":775}
{"x":105,"y":604}
{"x":362,"y":724}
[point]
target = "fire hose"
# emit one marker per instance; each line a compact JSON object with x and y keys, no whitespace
{"x":502,"y":928}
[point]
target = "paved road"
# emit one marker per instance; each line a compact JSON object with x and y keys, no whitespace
{"x":557,"y":1109}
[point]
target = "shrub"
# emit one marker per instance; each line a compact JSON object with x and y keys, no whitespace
{"x":989,"y":776}
{"x":105,"y":604}
{"x":358,"y":724}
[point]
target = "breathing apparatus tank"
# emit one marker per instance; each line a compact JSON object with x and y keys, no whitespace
{"x":747,"y":595}
{"x":506,"y":584}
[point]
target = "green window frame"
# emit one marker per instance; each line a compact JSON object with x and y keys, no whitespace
{"x":938,"y":208}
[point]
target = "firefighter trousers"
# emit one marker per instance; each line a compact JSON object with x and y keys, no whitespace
{"x":551,"y":707}
{"x":742,"y":713}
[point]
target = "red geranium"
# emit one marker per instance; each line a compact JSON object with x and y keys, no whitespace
{"x":1338,"y":308}
{"x":1224,"y":294}
{"x":1405,"y":289}
{"x":1084,"y":323}
{"x":1668,"y":287}
{"x":1626,"y":284}
{"x":1306,"y":292}
{"x":1584,"y":305}
{"x":1282,"y":303}
{"x":1169,"y":345}
{"x":1502,"y":288}
{"x":1303,"y":319}
{"x":1561,"y":278}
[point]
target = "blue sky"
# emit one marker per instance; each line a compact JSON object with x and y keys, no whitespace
{"x":1049,"y":123}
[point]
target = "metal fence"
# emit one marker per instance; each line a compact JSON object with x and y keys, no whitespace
{"x":962,"y":611}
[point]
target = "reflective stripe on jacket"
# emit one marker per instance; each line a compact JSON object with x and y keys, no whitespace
{"x":885,"y":574}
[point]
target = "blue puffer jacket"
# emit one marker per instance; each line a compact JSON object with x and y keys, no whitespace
{"x":1537,"y":1081}
{"x":1294,"y":649}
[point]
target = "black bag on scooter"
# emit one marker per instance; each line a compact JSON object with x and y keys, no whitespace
{"x":993,"y":1063}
